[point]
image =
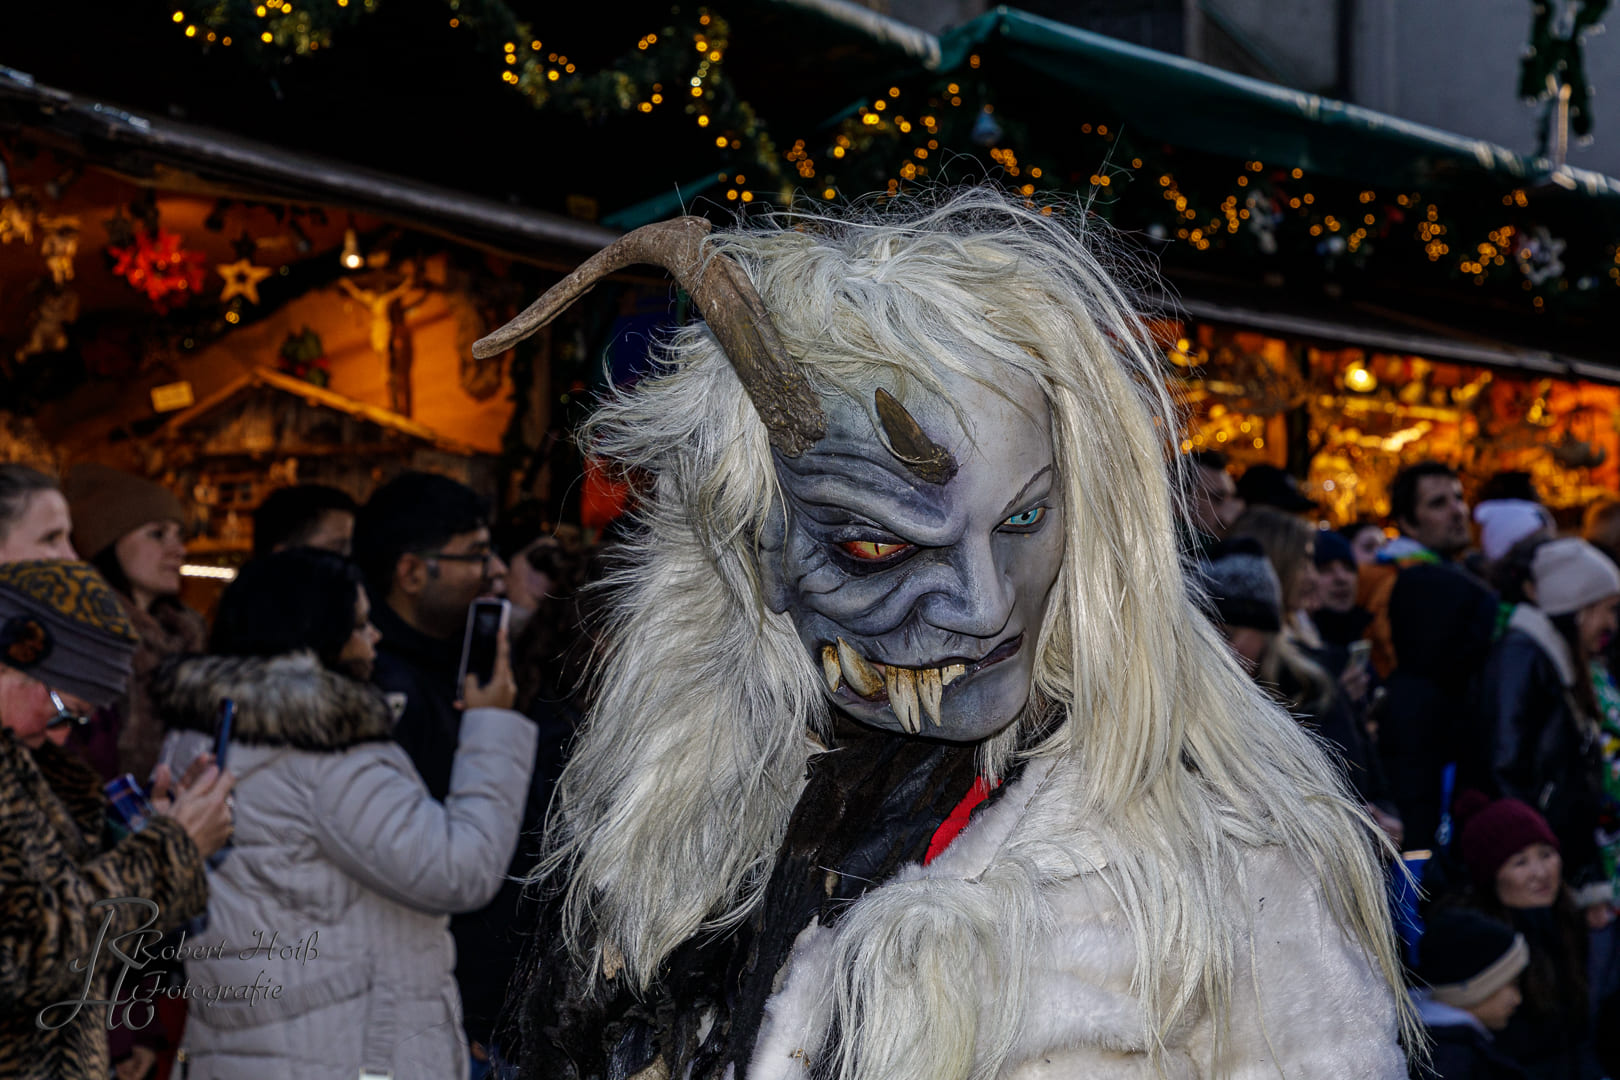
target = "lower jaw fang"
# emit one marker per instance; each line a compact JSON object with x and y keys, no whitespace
{"x":930,"y":689}
{"x":902,"y":686}
{"x":911,"y":693}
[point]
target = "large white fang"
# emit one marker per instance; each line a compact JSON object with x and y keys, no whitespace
{"x":951,"y":672}
{"x":902,"y":684}
{"x":829,"y":668}
{"x":862,"y":677}
{"x":929,"y":691}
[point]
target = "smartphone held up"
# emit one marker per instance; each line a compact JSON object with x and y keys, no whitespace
{"x":486,"y":623}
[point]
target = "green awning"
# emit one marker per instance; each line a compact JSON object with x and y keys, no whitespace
{"x":1196,"y":106}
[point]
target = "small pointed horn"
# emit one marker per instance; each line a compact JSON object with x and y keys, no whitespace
{"x":923,"y":456}
{"x":728,"y":302}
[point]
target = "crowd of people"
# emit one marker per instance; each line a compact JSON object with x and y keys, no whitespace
{"x":1467,"y":685}
{"x":380,"y":818}
{"x":359,"y":855}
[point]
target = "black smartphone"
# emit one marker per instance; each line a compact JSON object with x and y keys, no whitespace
{"x":222,"y":732}
{"x":486,"y":619}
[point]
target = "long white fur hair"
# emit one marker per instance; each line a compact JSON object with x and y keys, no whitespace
{"x":668,"y":816}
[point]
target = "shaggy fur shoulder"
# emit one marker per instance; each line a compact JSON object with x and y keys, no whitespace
{"x":1015,"y":936}
{"x":289,"y":700}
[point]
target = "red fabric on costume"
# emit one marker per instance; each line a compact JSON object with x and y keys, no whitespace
{"x":958,"y":819}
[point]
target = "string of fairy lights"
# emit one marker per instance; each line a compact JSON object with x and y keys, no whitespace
{"x":896,"y":138}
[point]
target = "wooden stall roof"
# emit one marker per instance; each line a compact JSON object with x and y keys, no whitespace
{"x":183,"y":157}
{"x":315,"y":396}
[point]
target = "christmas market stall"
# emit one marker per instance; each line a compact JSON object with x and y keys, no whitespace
{"x":1347,"y":291}
{"x":226,"y":318}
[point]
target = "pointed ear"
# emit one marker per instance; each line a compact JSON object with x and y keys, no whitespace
{"x":772,"y":551}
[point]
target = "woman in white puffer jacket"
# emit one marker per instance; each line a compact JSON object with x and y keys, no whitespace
{"x":328,"y":951}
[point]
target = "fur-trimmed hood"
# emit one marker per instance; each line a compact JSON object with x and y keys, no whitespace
{"x":290,"y":700}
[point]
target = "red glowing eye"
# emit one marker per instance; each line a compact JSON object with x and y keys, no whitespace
{"x":871,"y":549}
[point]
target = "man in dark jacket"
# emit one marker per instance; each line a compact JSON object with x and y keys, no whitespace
{"x":424,"y":543}
{"x":1443,"y":621}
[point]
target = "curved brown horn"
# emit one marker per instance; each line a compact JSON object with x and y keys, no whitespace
{"x":928,"y":460}
{"x":729,"y":304}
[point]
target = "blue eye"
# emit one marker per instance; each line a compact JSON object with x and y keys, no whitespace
{"x":1026,"y":520}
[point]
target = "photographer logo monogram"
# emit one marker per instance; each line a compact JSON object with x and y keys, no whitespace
{"x":134,"y":989}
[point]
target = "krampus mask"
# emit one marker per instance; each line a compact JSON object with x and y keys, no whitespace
{"x":919,"y":541}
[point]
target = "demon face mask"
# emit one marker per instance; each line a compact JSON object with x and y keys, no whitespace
{"x":917,"y":576}
{"x":919,"y":542}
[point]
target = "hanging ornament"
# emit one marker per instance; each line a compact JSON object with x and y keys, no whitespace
{"x":17,"y":221}
{"x":1264,"y":217}
{"x":241,"y":279}
{"x":59,"y":244}
{"x":48,"y":324}
{"x":986,"y":131}
{"x":304,"y":357}
{"x":157,"y":265}
{"x":1553,"y":68}
{"x":1540,"y":256}
{"x":120,"y":230}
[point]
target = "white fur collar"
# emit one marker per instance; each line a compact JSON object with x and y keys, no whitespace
{"x":1035,"y":805}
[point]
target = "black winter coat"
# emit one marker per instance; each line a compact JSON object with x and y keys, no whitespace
{"x":1533,"y":746}
{"x":1461,"y":1053}
{"x":1441,"y":623}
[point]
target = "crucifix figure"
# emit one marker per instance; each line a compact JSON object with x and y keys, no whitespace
{"x":390,"y":337}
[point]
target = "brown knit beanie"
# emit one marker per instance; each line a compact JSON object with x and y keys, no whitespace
{"x":108,"y":504}
{"x":61,"y":623}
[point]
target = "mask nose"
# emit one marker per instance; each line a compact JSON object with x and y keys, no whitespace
{"x":974,"y":599}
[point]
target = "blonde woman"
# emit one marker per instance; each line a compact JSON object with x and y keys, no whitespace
{"x":907,"y":544}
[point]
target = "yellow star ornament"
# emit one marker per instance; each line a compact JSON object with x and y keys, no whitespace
{"x":241,"y":279}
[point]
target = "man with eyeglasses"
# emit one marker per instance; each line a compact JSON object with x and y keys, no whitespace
{"x":65,"y":648}
{"x":423,"y":542}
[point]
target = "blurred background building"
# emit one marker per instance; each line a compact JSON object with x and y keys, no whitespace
{"x":246,"y":244}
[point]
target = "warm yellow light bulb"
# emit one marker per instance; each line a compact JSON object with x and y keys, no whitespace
{"x":179,"y":16}
{"x":351,"y":257}
{"x":266,"y":37}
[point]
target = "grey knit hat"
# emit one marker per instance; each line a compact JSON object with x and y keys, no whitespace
{"x":61,"y":623}
{"x":1243,"y":586}
{"x":1570,"y":574}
